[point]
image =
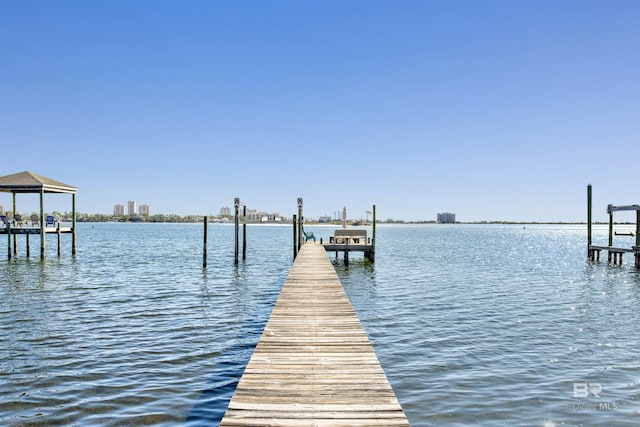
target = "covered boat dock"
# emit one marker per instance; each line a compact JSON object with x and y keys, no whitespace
{"x":31,"y":183}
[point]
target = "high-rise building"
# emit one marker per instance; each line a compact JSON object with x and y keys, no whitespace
{"x":144,"y":210}
{"x":225,"y":211}
{"x":131,"y":207}
{"x":446,"y":218}
{"x":1,"y":210}
{"x":118,"y":209}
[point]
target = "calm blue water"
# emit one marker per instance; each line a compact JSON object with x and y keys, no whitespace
{"x":491,"y":325}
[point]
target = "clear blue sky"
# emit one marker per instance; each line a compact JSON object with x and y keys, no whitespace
{"x":493,"y":110}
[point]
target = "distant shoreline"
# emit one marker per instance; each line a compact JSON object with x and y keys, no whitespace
{"x":355,"y":223}
{"x":172,"y":218}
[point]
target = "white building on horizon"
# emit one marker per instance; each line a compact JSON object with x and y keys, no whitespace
{"x":446,"y":218}
{"x":131,"y":207}
{"x":255,"y":215}
{"x":144,"y":210}
{"x":118,"y":209}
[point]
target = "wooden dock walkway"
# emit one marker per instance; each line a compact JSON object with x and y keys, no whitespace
{"x":314,"y":365}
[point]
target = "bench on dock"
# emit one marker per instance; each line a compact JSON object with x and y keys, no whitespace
{"x":348,"y":240}
{"x":355,"y":237}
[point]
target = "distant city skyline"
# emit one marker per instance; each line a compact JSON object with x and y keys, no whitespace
{"x":29,"y":204}
{"x":254,"y":215}
{"x":131,"y":209}
{"x":494,"y":110}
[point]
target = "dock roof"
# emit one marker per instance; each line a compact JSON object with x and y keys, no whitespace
{"x":29,"y":182}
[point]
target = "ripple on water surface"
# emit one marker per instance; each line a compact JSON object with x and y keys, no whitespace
{"x":474,"y":325}
{"x":133,"y":331}
{"x":494,"y":325}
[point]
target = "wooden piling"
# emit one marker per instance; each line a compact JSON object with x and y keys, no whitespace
{"x":73,"y":224}
{"x":204,"y":244}
{"x":244,"y":232}
{"x":15,"y":238}
{"x":589,"y":222}
{"x":58,"y":233}
{"x":610,"y":225}
{"x":372,"y":253}
{"x":638,"y":229}
{"x":236,"y":203}
{"x":374,"y":224}
{"x":637,"y":248}
{"x":43,"y":234}
{"x":300,"y":219}
{"x":28,"y":248}
{"x":346,"y":251}
{"x":8,"y":240}
{"x":295,"y":236}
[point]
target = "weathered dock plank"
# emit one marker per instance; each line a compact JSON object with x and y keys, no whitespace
{"x":314,"y":364}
